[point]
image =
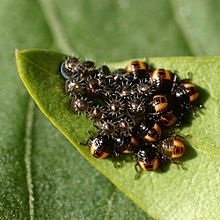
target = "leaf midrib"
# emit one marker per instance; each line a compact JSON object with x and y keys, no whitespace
{"x":28,"y":156}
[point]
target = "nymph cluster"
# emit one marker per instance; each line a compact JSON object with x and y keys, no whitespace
{"x":133,"y":108}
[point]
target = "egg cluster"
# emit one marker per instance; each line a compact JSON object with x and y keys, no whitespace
{"x":133,"y":108}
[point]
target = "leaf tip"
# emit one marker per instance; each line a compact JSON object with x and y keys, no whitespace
{"x":17,"y":52}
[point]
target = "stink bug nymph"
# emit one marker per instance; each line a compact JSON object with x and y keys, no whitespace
{"x":101,"y":146}
{"x":186,"y":95}
{"x":147,"y":159}
{"x":172,"y":148}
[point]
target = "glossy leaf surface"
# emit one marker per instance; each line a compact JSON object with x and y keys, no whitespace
{"x":153,"y":191}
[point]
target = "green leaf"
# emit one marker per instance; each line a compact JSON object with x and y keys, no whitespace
{"x":98,"y":30}
{"x":175,"y":194}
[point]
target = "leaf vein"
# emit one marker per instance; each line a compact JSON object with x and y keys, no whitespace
{"x":53,"y":20}
{"x":27,"y":156}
